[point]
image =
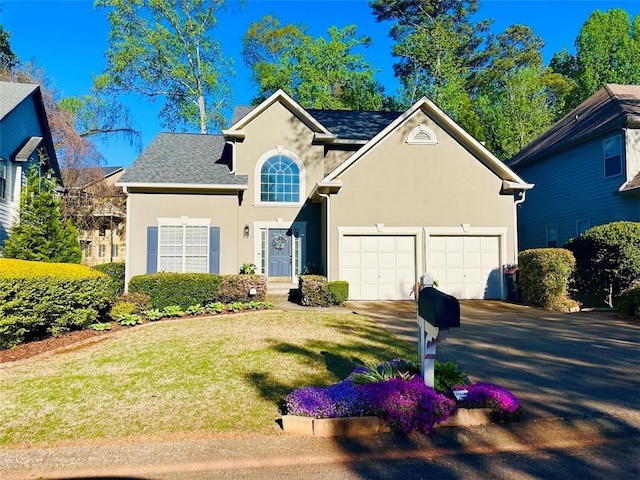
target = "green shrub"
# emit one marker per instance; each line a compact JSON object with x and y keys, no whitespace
{"x":236,"y":288}
{"x":183,"y":289}
{"x":215,"y":307}
{"x":173,"y":311}
{"x":129,"y":319}
{"x":153,"y":314}
{"x":140,"y":301}
{"x":121,"y":308}
{"x":195,"y":310}
{"x":544,"y":277}
{"x":39,"y":299}
{"x":115,"y":270}
{"x":607,"y":259}
{"x":337,"y":292}
{"x":100,"y":326}
{"x":447,"y":375}
{"x":315,"y":291}
{"x":628,"y":302}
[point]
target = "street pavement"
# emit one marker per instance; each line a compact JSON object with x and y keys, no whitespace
{"x":576,"y":375}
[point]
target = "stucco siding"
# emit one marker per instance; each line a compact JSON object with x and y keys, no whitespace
{"x":145,"y":209}
{"x":402,"y":185}
{"x":571,"y":187}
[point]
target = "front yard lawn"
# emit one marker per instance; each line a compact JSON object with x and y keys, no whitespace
{"x":186,"y":377}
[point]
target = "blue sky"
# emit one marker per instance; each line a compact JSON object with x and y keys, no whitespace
{"x":68,"y":39}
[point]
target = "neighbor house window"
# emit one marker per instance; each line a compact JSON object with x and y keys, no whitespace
{"x":552,"y":236}
{"x":114,"y":251}
{"x":3,"y":178}
{"x":612,"y":156}
{"x":102,"y":251}
{"x":582,"y":226}
{"x":280,"y":180}
{"x":183,"y":248}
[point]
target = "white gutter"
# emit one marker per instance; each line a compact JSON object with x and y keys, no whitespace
{"x":189,"y":186}
{"x":328,"y":233}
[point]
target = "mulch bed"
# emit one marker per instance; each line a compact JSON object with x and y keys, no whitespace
{"x":31,"y":349}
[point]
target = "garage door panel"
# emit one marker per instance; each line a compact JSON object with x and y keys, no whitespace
{"x":386,"y":266}
{"x":466,"y":266}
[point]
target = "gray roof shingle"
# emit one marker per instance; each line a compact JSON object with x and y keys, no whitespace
{"x":347,"y":124}
{"x":11,"y":94}
{"x":610,"y":107}
{"x":183,"y":158}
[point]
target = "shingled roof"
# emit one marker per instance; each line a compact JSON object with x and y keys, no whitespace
{"x":611,"y":107}
{"x":185,"y":159}
{"x":346,"y":124}
{"x":12,"y":94}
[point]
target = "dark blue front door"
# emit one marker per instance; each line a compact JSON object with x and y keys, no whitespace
{"x":280,"y":253}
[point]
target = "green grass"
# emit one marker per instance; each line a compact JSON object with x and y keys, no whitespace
{"x":204,"y":375}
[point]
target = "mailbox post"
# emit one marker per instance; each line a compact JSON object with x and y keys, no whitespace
{"x":437,"y":313}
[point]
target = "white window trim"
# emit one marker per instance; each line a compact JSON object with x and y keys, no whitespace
{"x":183,"y":222}
{"x":604,"y":158}
{"x":416,"y":136}
{"x":279,"y":150}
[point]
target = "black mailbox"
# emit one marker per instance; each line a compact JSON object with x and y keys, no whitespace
{"x":438,"y":308}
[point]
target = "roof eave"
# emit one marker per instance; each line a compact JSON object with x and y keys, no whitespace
{"x":183,"y":186}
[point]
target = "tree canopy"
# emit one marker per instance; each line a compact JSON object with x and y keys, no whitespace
{"x":40,"y":233}
{"x":165,"y":49}
{"x":317,"y":72}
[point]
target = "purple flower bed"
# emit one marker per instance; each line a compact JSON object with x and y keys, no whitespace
{"x":504,"y":404}
{"x":407,"y":405}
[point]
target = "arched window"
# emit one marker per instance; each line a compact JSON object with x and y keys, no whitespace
{"x":280,"y":180}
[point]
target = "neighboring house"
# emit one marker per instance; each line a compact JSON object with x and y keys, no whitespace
{"x":98,"y":207}
{"x":25,"y":139}
{"x":586,"y":169}
{"x":373,"y":198}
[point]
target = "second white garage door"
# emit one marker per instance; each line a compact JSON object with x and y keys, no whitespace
{"x":466,"y":266}
{"x":378,"y":267}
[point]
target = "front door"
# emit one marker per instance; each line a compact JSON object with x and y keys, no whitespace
{"x":280,"y":241}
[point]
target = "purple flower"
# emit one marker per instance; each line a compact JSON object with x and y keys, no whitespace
{"x":408,"y":406}
{"x":504,"y":404}
{"x":336,"y":401}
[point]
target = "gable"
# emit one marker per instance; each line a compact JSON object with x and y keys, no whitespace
{"x":436,"y":121}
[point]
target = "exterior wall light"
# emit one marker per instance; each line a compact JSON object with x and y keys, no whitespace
{"x":245,"y":231}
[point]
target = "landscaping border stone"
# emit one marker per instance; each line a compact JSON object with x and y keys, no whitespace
{"x":358,"y":426}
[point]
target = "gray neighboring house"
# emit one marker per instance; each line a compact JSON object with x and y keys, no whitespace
{"x":373,"y":198}
{"x":24,"y":132}
{"x":586,"y":169}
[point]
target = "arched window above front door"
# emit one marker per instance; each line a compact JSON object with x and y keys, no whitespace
{"x":280,"y":179}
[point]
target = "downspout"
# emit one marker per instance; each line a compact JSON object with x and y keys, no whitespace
{"x":127,"y":255}
{"x":232,"y":167}
{"x":515,"y":233}
{"x":328,"y":234}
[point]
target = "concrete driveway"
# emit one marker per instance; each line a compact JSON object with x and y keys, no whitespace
{"x":559,"y":365}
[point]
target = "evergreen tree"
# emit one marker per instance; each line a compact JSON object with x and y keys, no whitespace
{"x":39,"y":233}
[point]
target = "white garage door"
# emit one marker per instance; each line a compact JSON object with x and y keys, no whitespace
{"x":378,"y":267}
{"x":466,"y":266}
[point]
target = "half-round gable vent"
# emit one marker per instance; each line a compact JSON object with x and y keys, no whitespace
{"x":422,"y":135}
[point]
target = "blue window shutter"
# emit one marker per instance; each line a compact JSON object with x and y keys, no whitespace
{"x":214,"y":250}
{"x":152,"y":249}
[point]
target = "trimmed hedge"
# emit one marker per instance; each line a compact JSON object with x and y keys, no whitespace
{"x":183,"y":289}
{"x":544,"y":276}
{"x":315,"y":291}
{"x":39,"y":299}
{"x":235,"y":288}
{"x":115,"y":270}
{"x":628,"y":303}
{"x":607,"y":259}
